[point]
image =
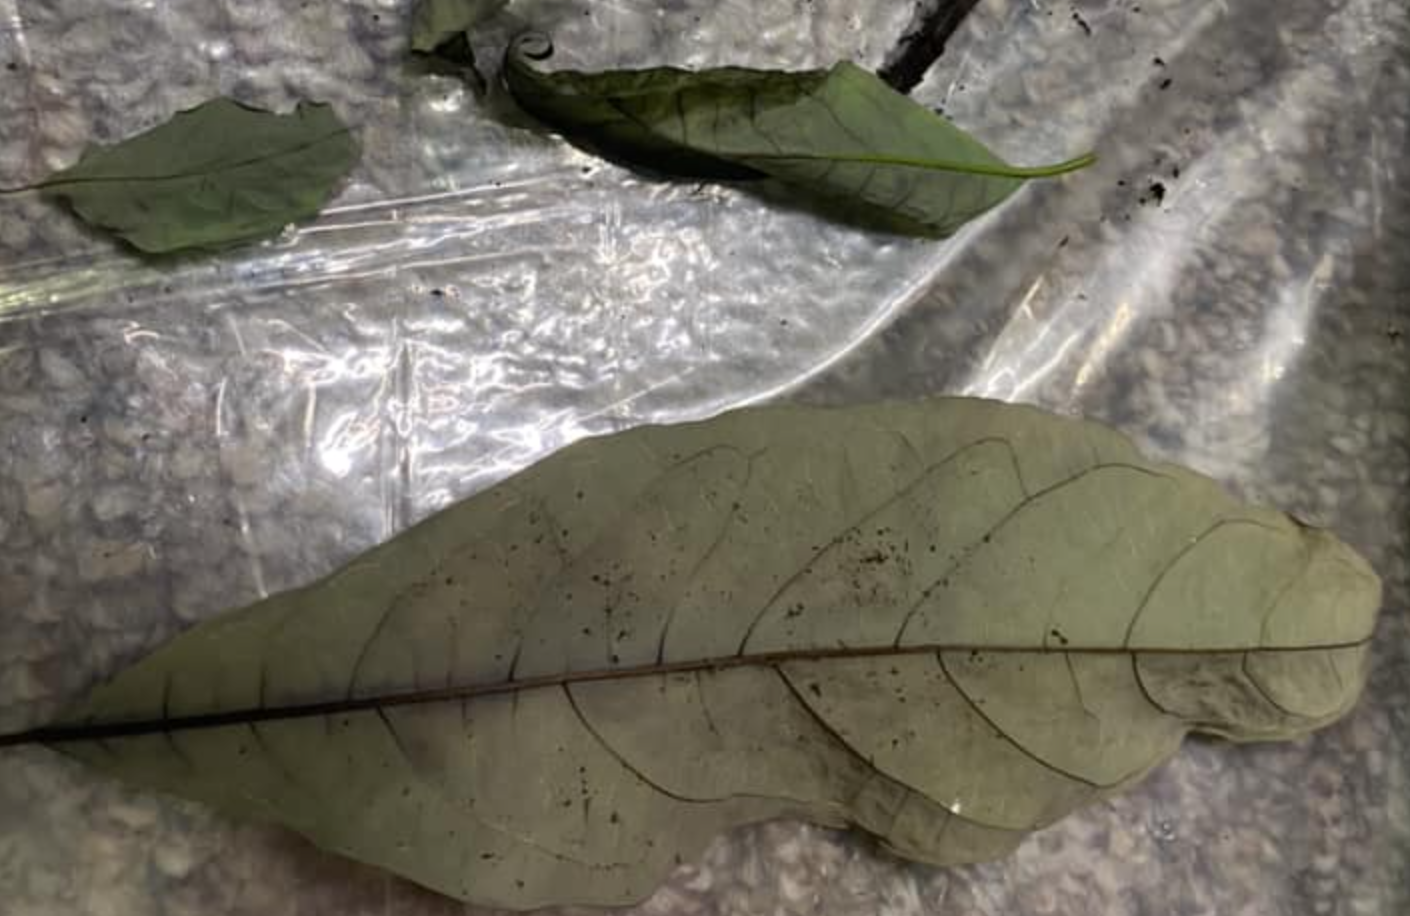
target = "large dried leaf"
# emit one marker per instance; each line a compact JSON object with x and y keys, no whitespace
{"x":213,"y":176}
{"x":945,"y":623}
{"x":840,"y":133}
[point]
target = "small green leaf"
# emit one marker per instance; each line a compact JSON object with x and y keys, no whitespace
{"x":436,"y":22}
{"x":945,"y":623}
{"x":841,"y":133}
{"x":440,"y":29}
{"x":213,"y":176}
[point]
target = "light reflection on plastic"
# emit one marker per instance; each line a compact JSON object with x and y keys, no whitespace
{"x":1109,"y":337}
{"x":136,"y":332}
{"x":346,"y":436}
{"x":1286,"y":331}
{"x":214,"y":50}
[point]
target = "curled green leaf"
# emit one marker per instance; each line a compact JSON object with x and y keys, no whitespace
{"x":213,"y":176}
{"x":840,"y":133}
{"x":945,"y":623}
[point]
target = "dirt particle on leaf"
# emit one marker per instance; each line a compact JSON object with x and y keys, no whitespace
{"x":1081,"y":23}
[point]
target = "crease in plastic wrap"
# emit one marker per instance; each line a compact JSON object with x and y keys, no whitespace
{"x":1230,"y":285}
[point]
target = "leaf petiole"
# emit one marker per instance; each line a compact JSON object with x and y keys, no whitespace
{"x":23,"y":189}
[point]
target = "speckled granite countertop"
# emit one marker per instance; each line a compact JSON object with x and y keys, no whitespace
{"x":1230,"y":285}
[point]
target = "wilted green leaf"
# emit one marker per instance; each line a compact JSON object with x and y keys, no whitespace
{"x":841,"y":133}
{"x":945,"y":623}
{"x":213,"y":176}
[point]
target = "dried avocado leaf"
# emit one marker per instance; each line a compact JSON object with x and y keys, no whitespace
{"x":213,"y":176}
{"x":840,"y":133}
{"x":945,"y":623}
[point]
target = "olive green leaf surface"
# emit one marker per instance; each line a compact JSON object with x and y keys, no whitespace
{"x":840,"y":133}
{"x":946,"y":623}
{"x":213,"y":176}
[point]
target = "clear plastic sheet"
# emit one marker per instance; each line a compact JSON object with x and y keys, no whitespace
{"x":1229,"y":285}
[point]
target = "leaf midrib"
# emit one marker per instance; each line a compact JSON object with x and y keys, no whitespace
{"x":925,"y":164}
{"x":931,"y":165}
{"x":58,"y":182}
{"x":63,"y":734}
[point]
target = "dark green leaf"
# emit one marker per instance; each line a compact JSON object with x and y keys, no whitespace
{"x":945,"y":623}
{"x":441,"y":29}
{"x":213,"y":176}
{"x":841,"y":133}
{"x":436,"y":22}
